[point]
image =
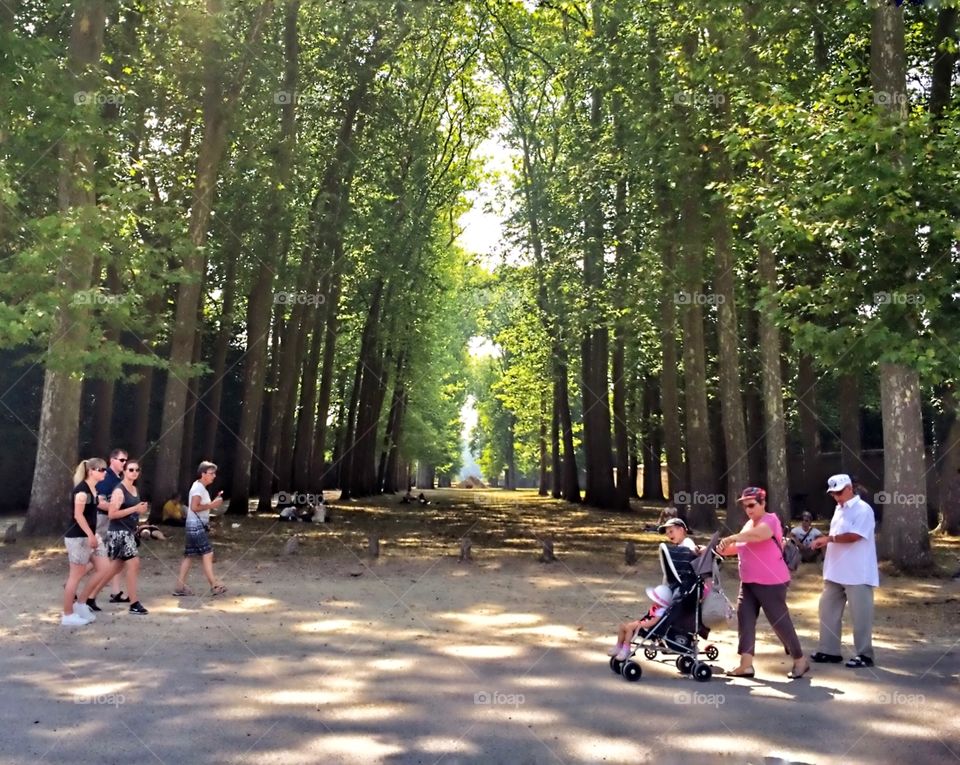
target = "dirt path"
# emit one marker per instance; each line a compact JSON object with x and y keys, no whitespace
{"x":414,"y":658}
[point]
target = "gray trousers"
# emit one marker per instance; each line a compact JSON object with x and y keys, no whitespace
{"x":832,"y":602}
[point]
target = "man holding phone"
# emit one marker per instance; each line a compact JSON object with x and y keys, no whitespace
{"x":197,"y":527}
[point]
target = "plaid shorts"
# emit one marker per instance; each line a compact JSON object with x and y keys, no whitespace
{"x":197,"y":541}
{"x":122,"y":545}
{"x":79,"y":552}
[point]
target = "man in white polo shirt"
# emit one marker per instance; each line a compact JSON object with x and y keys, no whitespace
{"x":849,"y":575}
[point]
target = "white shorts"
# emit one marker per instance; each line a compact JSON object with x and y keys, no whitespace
{"x":79,"y":552}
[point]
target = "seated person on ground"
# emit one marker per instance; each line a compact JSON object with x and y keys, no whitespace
{"x":407,"y":498}
{"x":422,"y":499}
{"x":148,"y":531}
{"x":661,"y":597}
{"x":804,"y":534}
{"x":676,"y":531}
{"x":174,"y":513}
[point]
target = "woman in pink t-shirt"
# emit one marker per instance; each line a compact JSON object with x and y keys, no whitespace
{"x":764,"y":578}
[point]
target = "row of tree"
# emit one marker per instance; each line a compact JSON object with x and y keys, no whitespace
{"x":228,"y":230}
{"x":739,"y":227}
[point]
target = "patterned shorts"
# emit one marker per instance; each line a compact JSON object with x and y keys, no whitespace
{"x":197,"y":541}
{"x":79,"y":552}
{"x":122,"y":545}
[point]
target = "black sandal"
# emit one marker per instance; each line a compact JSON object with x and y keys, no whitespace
{"x":119,"y":598}
{"x":826,"y":658}
{"x":858,"y":662}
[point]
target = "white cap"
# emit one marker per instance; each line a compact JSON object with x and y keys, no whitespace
{"x":838,"y":482}
{"x":662,"y":595}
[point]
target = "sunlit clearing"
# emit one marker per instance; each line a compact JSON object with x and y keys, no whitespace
{"x":355,"y":748}
{"x":548,"y":632}
{"x":328,"y":625}
{"x":445,"y":746}
{"x":593,"y":749}
{"x":98,"y":689}
{"x":492,"y":620}
{"x":898,"y":729}
{"x":481,"y":651}
{"x":365,"y":713}
{"x":392,"y":665}
{"x":307,"y":697}
{"x":238,"y":605}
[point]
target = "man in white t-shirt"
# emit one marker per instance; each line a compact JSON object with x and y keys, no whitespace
{"x":805,"y":534}
{"x":850,"y":574}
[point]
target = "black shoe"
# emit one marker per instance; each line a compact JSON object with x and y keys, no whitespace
{"x":860,"y":661}
{"x":119,"y":598}
{"x":136,"y":608}
{"x":92,"y":604}
{"x":826,"y":658}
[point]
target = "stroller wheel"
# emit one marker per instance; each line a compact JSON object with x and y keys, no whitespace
{"x":615,"y":665}
{"x":712,"y":652}
{"x":702,"y":672}
{"x":650,"y":653}
{"x":685,"y":664}
{"x":632,"y":671}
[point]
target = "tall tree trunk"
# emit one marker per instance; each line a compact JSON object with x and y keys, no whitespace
{"x":555,"y":458}
{"x":187,"y":469}
{"x":734,"y":426}
{"x":62,"y":385}
{"x":903,"y":539}
{"x":778,"y":489}
{"x":260,"y":301}
{"x":225,"y":333}
{"x":571,"y":481}
{"x":699,"y":451}
{"x":326,"y":381}
{"x":652,"y":441}
{"x":543,"y":488}
{"x":809,"y":425}
{"x":217,"y":111}
{"x":306,"y":419}
{"x":851,"y":443}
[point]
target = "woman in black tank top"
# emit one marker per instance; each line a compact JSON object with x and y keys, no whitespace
{"x":83,"y":545}
{"x":124,"y":512}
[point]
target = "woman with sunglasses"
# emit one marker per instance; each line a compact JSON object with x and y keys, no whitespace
{"x":124,"y":513}
{"x":764,"y":578}
{"x":83,"y":544}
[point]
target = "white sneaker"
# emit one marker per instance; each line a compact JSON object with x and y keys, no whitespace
{"x":73,"y":620}
{"x":624,"y":653}
{"x":614,"y":651}
{"x":85,"y":611}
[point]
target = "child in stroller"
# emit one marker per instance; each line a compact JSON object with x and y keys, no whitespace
{"x":679,"y":629}
{"x":661,"y":596}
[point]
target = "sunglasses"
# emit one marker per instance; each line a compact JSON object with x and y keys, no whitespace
{"x":133,"y":470}
{"x":99,"y":470}
{"x":751,"y":505}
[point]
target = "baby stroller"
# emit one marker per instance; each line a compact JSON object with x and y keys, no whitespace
{"x":680,"y":628}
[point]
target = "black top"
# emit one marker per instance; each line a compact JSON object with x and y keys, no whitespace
{"x":128,"y":523}
{"x":89,"y":511}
